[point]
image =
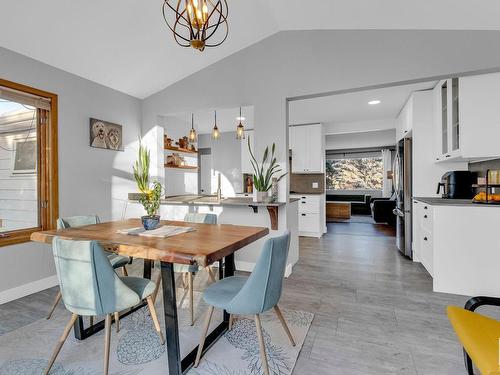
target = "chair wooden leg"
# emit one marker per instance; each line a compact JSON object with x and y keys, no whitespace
{"x":117,"y":321}
{"x":191,"y":297}
{"x":157,"y":286}
{"x":152,"y":311}
{"x":208,"y":318}
{"x":60,"y":343}
{"x":107,"y":340}
{"x":283,"y":323}
{"x":263,"y":355}
{"x":231,"y":321}
{"x":54,"y":305}
{"x":125,"y":272}
{"x":211,"y":274}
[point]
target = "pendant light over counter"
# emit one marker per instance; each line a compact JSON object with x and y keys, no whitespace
{"x":240,"y":129}
{"x":215,"y":130}
{"x":192,"y":133}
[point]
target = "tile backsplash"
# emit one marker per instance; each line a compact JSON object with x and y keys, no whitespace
{"x":307,"y":183}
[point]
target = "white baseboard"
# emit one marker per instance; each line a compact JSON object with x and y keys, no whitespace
{"x":27,"y":289}
{"x":249,"y":266}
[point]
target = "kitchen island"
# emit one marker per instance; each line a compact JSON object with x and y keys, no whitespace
{"x":237,"y":211}
{"x":457,"y":242}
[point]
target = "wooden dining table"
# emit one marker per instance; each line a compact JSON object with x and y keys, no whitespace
{"x":205,"y":245}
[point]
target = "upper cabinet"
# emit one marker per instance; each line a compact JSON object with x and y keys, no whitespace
{"x":308,"y":149}
{"x":246,"y":166}
{"x":404,"y":121}
{"x":447,"y":119}
{"x":467,"y":118}
{"x":480,"y":116}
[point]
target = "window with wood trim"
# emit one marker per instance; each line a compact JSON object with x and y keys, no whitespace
{"x":28,"y":162}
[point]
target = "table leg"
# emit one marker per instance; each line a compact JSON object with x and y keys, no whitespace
{"x":228,"y":271}
{"x":148,"y":264}
{"x":171,"y":322}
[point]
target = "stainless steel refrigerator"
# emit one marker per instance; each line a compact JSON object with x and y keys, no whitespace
{"x":402,"y":169}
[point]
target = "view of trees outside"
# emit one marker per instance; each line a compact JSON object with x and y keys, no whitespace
{"x":351,"y":174}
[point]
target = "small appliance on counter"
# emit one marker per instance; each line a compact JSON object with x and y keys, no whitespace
{"x":457,"y":185}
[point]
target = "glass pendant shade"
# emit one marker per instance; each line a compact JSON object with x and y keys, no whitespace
{"x":192,"y":133}
{"x":215,"y":130}
{"x":240,"y":129}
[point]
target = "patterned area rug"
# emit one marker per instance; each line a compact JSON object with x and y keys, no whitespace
{"x":136,"y":349}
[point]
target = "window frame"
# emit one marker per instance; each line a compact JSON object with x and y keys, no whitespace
{"x":47,"y":167}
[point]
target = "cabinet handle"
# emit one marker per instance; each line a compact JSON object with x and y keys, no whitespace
{"x":437,"y":158}
{"x":303,"y":202}
{"x":303,"y":197}
{"x":448,"y":156}
{"x":425,"y":207}
{"x":425,"y":238}
{"x":425,"y":216}
{"x":406,"y":131}
{"x":303,"y":214}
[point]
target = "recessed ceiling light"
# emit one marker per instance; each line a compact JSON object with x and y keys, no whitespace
{"x":373,"y":102}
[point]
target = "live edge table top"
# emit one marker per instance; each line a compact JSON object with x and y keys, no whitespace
{"x":205,"y":245}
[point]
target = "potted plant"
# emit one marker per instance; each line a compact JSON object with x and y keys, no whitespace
{"x":150,"y":193}
{"x":264,"y":172}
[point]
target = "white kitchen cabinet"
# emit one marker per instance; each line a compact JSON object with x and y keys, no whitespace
{"x":404,"y":120}
{"x":246,"y":166}
{"x":447,"y":120}
{"x":308,"y":149}
{"x":311,"y":214}
{"x":479,"y":112}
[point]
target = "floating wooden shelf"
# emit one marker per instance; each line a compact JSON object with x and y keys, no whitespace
{"x":192,"y":167}
{"x":178,"y":149}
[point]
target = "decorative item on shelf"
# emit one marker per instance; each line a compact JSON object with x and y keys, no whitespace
{"x":192,"y":148}
{"x":150,"y":193}
{"x":183,"y":142}
{"x":197,"y":23}
{"x":215,"y":130}
{"x":192,"y":133}
{"x":240,"y":129}
{"x":264,"y":172}
{"x":167,"y":142}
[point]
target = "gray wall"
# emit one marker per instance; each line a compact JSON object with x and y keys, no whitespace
{"x":91,"y":181}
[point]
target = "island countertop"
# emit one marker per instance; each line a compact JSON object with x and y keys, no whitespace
{"x":435,"y":201}
{"x":210,"y":200}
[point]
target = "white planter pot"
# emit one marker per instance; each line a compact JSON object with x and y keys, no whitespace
{"x":260,"y":196}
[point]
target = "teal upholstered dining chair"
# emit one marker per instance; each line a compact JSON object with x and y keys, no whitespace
{"x":252,"y":295}
{"x":90,"y":286}
{"x":117,"y":261}
{"x":189,"y":271}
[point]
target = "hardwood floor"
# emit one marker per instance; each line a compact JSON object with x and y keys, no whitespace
{"x":375,"y":312}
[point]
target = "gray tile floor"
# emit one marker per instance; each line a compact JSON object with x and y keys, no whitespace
{"x":375,"y":312}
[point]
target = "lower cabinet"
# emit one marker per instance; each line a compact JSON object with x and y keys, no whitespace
{"x":312,"y":220}
{"x":459,"y":246}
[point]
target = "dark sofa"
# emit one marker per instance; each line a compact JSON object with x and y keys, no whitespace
{"x":381,"y":209}
{"x":360,"y":203}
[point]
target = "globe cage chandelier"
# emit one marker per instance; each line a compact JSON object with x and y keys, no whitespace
{"x":195,"y":22}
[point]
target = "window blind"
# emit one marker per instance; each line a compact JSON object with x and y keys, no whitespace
{"x":24,"y":98}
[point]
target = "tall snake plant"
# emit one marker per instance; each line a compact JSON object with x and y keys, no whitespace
{"x":263,"y":177}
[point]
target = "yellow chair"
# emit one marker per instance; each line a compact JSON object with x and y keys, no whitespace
{"x":478,"y":334}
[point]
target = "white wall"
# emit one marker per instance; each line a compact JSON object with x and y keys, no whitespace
{"x":361,"y":140}
{"x":359,"y":126}
{"x":226,"y":159}
{"x":91,"y":181}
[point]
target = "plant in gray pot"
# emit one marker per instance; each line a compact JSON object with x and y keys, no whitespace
{"x":264,"y":173}
{"x":150,"y":193}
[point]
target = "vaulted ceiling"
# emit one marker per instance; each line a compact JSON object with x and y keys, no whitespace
{"x":125,"y":44}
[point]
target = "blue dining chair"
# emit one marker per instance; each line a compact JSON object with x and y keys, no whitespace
{"x":117,"y":261}
{"x":90,"y":286}
{"x":252,"y":295}
{"x":189,"y":271}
